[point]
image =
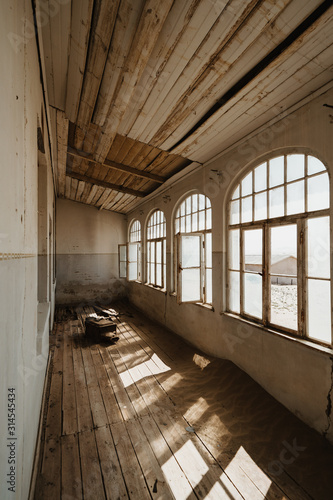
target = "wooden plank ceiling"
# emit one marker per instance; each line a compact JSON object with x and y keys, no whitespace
{"x":139,"y":89}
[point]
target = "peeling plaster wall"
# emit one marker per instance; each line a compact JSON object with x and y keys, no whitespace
{"x":87,"y":254}
{"x":297,"y":375}
{"x":24,"y":323}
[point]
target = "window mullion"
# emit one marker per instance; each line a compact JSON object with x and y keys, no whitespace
{"x":301,"y":276}
{"x":241,"y":270}
{"x":266,"y":278}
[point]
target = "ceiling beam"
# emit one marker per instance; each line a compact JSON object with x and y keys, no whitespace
{"x":108,"y":185}
{"x":117,"y":166}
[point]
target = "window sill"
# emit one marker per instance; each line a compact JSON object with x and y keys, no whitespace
{"x":163,"y":290}
{"x":291,"y":338}
{"x":205,"y":306}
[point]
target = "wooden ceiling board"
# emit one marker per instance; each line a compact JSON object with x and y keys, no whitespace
{"x":103,"y":19}
{"x":268,"y":91}
{"x":127,"y":22}
{"x":80,"y":190}
{"x":85,"y":193}
{"x":157,"y":82}
{"x":152,"y":18}
{"x":189,"y":15}
{"x":186,"y":69}
{"x":247,"y":48}
{"x":79,"y":40}
{"x":121,"y":203}
{"x":74,"y":186}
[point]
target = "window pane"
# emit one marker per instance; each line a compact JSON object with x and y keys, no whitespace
{"x":315,"y":165}
{"x":319,"y":310}
{"x":208,"y":245}
{"x":284,"y":302}
{"x":260,"y":178}
{"x":318,"y":192}
{"x":159,"y":251}
{"x":253,"y":250}
{"x":164,"y":263}
{"x":195,"y":222}
{"x":295,"y":167}
{"x":276,"y":171}
{"x":202,"y":202}
{"x":132,"y":271}
{"x":236,"y":193}
{"x":177,"y":226}
{"x":234,"y":212}
{"x":122,"y":252}
{"x":159,"y":275}
{"x":284,"y":250}
{"x":191,"y":285}
{"x":132,"y":252}
{"x":202,"y":221}
{"x":208,"y":286}
{"x":195,"y":203}
{"x":152,"y":252}
{"x":253,"y":295}
{"x":182,"y":208}
{"x":190,"y":251}
{"x":318,"y":241}
{"x":276,"y":202}
{"x":152,"y":273}
{"x":209,"y":218}
{"x":234,"y":292}
{"x":234,"y":262}
{"x":247,"y":185}
{"x":247,"y":209}
{"x":188,"y":208}
{"x":260,"y":206}
{"x":188,"y":223}
{"x":122,"y":270}
{"x":182,"y":225}
{"x":295,"y":198}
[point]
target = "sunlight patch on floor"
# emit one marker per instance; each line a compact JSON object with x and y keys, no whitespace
{"x":139,"y":372}
{"x":195,"y":412}
{"x":243,"y":464}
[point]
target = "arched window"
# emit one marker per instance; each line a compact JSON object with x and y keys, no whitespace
{"x":134,"y":252}
{"x":156,"y":250}
{"x":193,"y":229}
{"x":279,"y":247}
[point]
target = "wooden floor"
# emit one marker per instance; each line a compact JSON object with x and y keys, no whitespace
{"x":148,"y":416}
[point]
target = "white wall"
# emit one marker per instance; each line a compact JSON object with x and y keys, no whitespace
{"x":87,"y":254}
{"x":24,"y":328}
{"x":296,"y":374}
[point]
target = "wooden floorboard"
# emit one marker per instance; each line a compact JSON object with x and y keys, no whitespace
{"x":144,"y":416}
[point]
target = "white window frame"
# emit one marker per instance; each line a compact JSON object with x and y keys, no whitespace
{"x":134,"y":243}
{"x":185,"y":212}
{"x":152,"y":242}
{"x":301,"y":221}
{"x":122,"y":260}
{"x":182,"y":267}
